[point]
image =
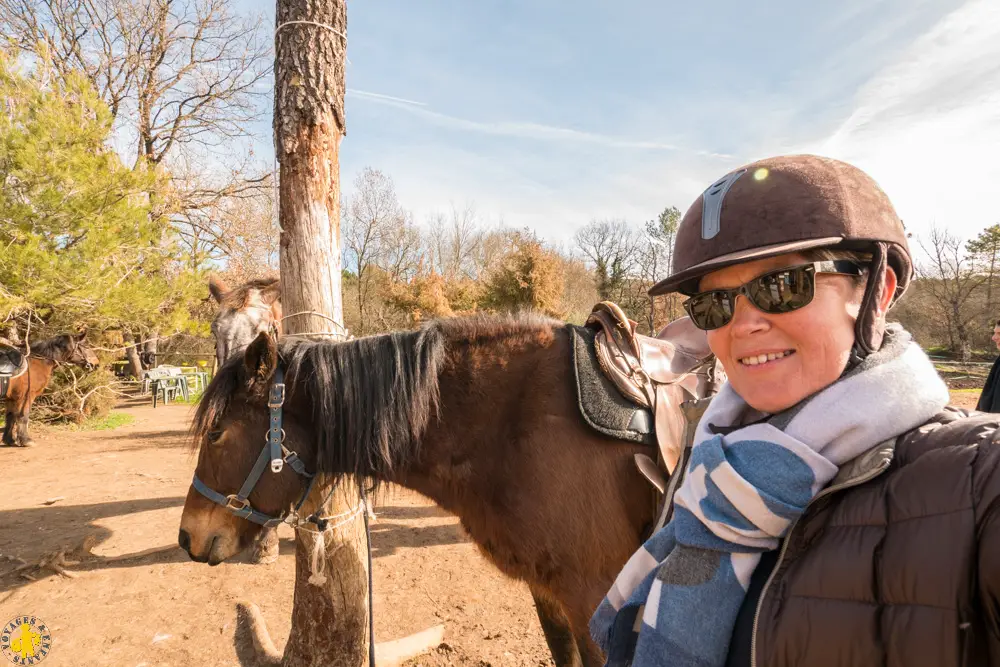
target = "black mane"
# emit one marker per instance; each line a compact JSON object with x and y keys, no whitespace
{"x":371,"y":397}
{"x":57,"y":348}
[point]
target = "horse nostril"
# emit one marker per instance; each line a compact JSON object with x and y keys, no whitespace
{"x":184,"y":540}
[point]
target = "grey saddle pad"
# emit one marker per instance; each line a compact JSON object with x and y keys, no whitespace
{"x":12,"y":363}
{"x":11,"y":360}
{"x":601,"y":404}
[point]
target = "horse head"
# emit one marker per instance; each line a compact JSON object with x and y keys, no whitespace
{"x":80,"y":353}
{"x":280,"y":418}
{"x":236,"y":491}
{"x":246,"y":311}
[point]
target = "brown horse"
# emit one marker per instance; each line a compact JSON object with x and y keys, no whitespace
{"x":25,"y":388}
{"x":479,"y":414}
{"x":244,"y":312}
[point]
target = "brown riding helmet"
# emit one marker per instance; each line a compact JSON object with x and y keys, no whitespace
{"x":791,"y":204}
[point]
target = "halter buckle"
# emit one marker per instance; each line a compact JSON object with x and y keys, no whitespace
{"x":277,"y":397}
{"x":244,"y":503}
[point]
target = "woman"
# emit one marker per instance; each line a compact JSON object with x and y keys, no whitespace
{"x":832,"y":510}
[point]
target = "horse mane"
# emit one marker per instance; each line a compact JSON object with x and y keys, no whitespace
{"x":238,"y":297}
{"x":52,"y":348}
{"x":372,"y":397}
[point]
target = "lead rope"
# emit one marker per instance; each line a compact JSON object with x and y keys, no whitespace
{"x":317,"y":557}
{"x":371,"y":610}
{"x":317,"y":576}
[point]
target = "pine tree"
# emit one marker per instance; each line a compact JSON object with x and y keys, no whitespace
{"x":80,"y":244}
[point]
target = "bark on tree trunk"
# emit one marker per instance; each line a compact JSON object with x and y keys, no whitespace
{"x":132,"y":353}
{"x":329,"y":617}
{"x":151,"y":346}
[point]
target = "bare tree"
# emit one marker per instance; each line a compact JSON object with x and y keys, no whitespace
{"x":379,"y":237}
{"x":951,"y":279}
{"x":181,"y":78}
{"x":173,"y":72}
{"x":243,"y":233}
{"x":455,"y":241}
{"x":610,"y":246}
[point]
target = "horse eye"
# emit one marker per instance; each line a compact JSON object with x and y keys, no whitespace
{"x":213,"y":436}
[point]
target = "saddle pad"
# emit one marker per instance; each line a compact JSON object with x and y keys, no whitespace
{"x":601,"y":404}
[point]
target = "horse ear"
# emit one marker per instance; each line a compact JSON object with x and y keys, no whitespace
{"x":217,"y":288}
{"x":271,"y":293}
{"x":261,"y":358}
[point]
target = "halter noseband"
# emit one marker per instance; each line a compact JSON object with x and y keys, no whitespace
{"x":275,"y":452}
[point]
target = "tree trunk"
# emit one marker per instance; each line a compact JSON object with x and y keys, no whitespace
{"x":329,"y":617}
{"x":151,"y":346}
{"x":308,"y":126}
{"x":132,"y":353}
{"x":991,"y":317}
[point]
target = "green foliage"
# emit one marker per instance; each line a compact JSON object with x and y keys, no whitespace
{"x":82,"y":244}
{"x":664,"y":228}
{"x":107,"y":423}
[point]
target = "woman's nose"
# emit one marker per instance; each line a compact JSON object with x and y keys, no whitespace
{"x":747,"y":318}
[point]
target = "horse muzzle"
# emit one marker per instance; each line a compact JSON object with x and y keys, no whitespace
{"x":215,"y":551}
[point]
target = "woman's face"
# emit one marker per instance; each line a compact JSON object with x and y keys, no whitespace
{"x":815,"y":341}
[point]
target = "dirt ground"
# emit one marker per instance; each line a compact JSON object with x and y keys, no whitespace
{"x":126,"y":488}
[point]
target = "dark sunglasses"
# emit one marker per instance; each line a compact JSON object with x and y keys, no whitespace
{"x":775,"y":292}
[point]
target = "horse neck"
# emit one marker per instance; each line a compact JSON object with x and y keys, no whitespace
{"x":495,"y":398}
{"x":47,"y":350}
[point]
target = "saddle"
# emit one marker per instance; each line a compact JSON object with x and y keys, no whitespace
{"x":13,"y":363}
{"x":659,"y":374}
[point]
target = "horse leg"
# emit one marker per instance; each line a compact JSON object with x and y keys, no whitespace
{"x":8,"y":429}
{"x":578,"y":614}
{"x":265,"y":549}
{"x":555,"y":625}
{"x":23,"y":439}
{"x":591,"y":655}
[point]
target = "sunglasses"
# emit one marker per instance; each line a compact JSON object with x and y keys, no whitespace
{"x":775,"y":292}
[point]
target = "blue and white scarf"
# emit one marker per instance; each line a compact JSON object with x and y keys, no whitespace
{"x":675,"y":602}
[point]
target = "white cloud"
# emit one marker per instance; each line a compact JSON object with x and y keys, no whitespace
{"x":526,"y":130}
{"x":927,"y":127}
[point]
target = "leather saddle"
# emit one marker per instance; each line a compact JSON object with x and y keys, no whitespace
{"x":13,"y":363}
{"x":658,"y":373}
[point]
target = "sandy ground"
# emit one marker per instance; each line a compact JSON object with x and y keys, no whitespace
{"x":126,"y":487}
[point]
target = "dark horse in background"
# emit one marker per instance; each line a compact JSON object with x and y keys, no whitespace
{"x":479,"y":414}
{"x":23,"y":389}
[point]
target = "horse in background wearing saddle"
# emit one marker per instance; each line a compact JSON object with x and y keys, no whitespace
{"x":23,"y":377}
{"x":485,"y":415}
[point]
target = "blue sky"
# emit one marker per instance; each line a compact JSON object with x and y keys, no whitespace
{"x":548,"y":115}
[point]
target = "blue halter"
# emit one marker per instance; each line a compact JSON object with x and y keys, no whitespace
{"x":274,"y":452}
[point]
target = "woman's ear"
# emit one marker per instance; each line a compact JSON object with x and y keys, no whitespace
{"x":888,"y":291}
